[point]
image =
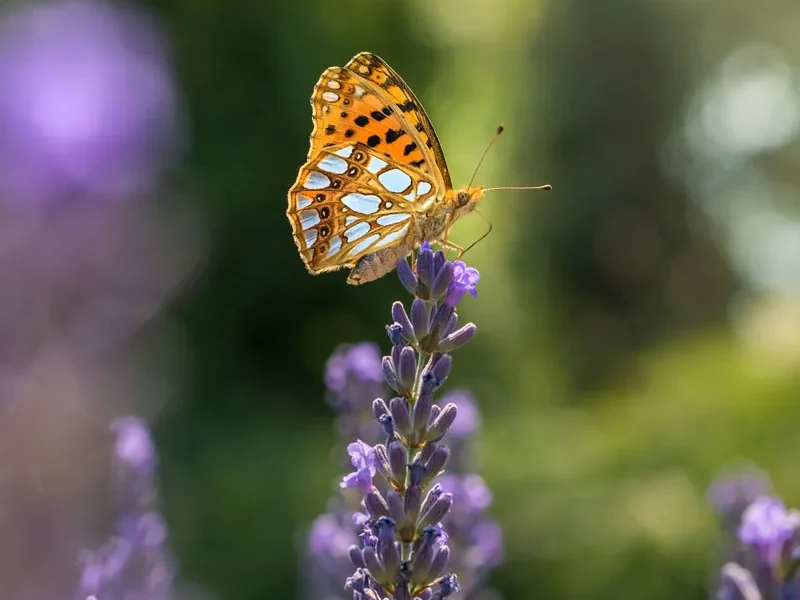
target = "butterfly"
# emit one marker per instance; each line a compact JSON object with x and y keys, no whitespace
{"x":375,"y":184}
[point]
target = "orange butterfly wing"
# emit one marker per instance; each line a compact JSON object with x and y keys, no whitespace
{"x":374,"y":164}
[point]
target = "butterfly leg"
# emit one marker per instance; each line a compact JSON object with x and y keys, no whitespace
{"x":453,"y":246}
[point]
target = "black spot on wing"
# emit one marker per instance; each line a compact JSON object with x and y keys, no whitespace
{"x":373,"y":141}
{"x":407,"y":106}
{"x":377,"y":115}
{"x":349,"y":133}
{"x":393,"y":134}
{"x":418,"y":163}
{"x":330,"y":129}
{"x":361,"y":120}
{"x":409,"y":148}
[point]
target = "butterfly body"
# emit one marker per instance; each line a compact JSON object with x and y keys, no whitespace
{"x":375,"y":184}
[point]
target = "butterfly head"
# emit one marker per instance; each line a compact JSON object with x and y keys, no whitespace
{"x":466,"y":200}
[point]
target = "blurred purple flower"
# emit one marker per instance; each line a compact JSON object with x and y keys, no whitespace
{"x":767,"y":527}
{"x":465,"y":281}
{"x":354,"y":379}
{"x":135,"y":563}
{"x":94,"y":107}
{"x":733,"y":491}
{"x":362,"y":457}
{"x":468,"y":420}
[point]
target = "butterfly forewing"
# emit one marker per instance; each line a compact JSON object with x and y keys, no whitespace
{"x":348,"y":202}
{"x":373,"y":166}
{"x":373,"y":68}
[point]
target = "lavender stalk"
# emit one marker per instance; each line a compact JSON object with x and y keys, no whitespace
{"x":404,"y":551}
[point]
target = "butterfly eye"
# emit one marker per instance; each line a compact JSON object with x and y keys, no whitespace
{"x":462,"y":199}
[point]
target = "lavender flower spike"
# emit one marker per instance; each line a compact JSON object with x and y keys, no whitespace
{"x":405,"y":550}
{"x":767,"y":527}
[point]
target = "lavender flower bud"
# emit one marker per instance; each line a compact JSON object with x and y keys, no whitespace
{"x":450,"y":326}
{"x":436,"y":375}
{"x":407,"y":276}
{"x":395,"y":334}
{"x":375,"y":504}
{"x":426,"y":453}
{"x":400,"y":415}
{"x":421,"y":564}
{"x":412,"y":503}
{"x":432,"y":496}
{"x":390,"y":558}
{"x":425,"y":265}
{"x":437,"y":511}
{"x":416,"y":471}
{"x":440,"y":320}
{"x":439,"y":259}
{"x":389,"y":375}
{"x":439,"y":563}
{"x":374,"y":566}
{"x":395,"y":504}
{"x":382,"y":462}
{"x":355,"y":557}
{"x":442,"y":422}
{"x":406,"y":370}
{"x":436,"y":464}
{"x":401,"y":318}
{"x":420,"y":318}
{"x":422,"y":412}
{"x":458,"y":338}
{"x":436,"y":410}
{"x":442,"y":281}
{"x":448,"y":585}
{"x":379,"y":408}
{"x":397,"y":463}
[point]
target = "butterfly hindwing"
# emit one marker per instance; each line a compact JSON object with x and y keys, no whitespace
{"x":348,"y":202}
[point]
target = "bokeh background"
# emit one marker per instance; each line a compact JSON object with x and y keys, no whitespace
{"x":639,"y":326}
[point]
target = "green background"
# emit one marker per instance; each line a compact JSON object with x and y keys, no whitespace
{"x":625,"y":353}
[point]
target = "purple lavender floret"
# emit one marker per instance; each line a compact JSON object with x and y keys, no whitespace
{"x":767,"y":527}
{"x":766,"y":564}
{"x":362,"y":457}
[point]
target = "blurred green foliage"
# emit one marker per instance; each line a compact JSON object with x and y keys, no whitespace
{"x":612,"y":385}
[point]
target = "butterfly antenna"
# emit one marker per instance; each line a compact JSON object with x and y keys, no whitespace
{"x":480,"y":239}
{"x":485,"y":152}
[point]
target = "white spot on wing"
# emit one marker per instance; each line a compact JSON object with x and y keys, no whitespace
{"x":308,"y":218}
{"x":350,"y":219}
{"x":392,"y":237}
{"x":363,"y":244}
{"x":310,"y":237}
{"x":375,"y":164}
{"x":366,"y":204}
{"x":334,"y":85}
{"x":333,"y":164}
{"x":335,"y":245}
{"x":411,"y":196}
{"x":330,"y":96}
{"x":359,"y":91}
{"x":303,"y":202}
{"x":394,"y":180}
{"x":392,"y":219}
{"x":344,"y":152}
{"x":423,"y":187}
{"x":316,"y":181}
{"x":356,"y":231}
